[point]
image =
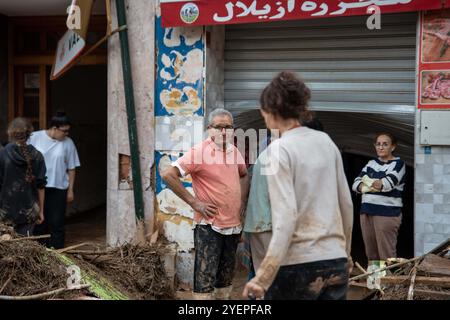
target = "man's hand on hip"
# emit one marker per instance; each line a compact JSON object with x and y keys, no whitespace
{"x":207,"y":210}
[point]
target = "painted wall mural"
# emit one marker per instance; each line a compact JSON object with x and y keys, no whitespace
{"x":179,"y":85}
{"x":179,"y":114}
{"x":180,"y":102}
{"x":168,"y":202}
{"x":182,"y":68}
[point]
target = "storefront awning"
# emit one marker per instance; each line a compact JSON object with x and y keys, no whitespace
{"x":209,"y":12}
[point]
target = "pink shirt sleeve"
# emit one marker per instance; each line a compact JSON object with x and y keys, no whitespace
{"x":187,"y":162}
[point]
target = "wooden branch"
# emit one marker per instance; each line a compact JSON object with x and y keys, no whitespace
{"x":411,"y":286}
{"x":436,"y":250}
{"x":359,"y":285}
{"x":443,"y":282}
{"x":441,"y":247}
{"x":432,"y":293}
{"x":435,"y":265}
{"x":444,"y":252}
{"x":71,"y":247}
{"x":99,"y":42}
{"x":44,"y":294}
{"x":6,"y":283}
{"x":361,"y":276}
{"x":29,"y":238}
{"x":89,"y":252}
{"x":360,"y":268}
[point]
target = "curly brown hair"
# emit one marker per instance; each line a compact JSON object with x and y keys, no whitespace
{"x":19,"y":130}
{"x":287,"y":96}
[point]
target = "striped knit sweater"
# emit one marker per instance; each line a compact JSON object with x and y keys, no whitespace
{"x":387,"y":202}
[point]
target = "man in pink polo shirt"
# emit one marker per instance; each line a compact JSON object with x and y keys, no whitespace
{"x":220,"y":182}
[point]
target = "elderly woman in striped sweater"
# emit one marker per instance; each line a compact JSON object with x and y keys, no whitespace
{"x":381,"y":183}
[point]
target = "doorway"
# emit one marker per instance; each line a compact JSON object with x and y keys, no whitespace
{"x":82,"y":94}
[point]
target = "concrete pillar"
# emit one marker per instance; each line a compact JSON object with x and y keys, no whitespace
{"x":121,"y":223}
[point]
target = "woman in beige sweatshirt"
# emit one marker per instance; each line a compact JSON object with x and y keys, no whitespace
{"x":312,"y":211}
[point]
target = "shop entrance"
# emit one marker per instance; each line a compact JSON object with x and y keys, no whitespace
{"x":82,"y":93}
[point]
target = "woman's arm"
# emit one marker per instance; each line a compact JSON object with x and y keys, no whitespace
{"x":40,"y":171}
{"x":357,"y":183}
{"x":392,"y":179}
{"x":72,"y":163}
{"x":41,"y":196}
{"x":70,"y":195}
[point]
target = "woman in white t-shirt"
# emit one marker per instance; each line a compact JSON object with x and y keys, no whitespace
{"x":61,"y":159}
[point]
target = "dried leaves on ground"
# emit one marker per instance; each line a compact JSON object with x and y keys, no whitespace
{"x":27,"y":268}
{"x":139,"y":269}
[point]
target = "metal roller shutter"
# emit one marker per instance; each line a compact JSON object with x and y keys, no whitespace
{"x":347,"y":66}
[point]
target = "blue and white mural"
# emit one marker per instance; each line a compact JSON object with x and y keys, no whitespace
{"x":179,"y":81}
{"x":179,"y":114}
{"x":168,"y":202}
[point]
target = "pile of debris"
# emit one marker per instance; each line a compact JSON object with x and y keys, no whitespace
{"x":422,"y":278}
{"x":6,"y":232}
{"x":138,"y":269}
{"x":30,"y":271}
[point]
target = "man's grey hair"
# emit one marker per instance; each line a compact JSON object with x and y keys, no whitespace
{"x":219,"y":112}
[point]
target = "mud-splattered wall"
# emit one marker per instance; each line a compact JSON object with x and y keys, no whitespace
{"x":179,"y":111}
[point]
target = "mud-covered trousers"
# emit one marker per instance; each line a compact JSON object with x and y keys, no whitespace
{"x":319,"y":280}
{"x":215,"y":257}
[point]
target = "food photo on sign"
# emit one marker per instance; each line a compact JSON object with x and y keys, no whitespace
{"x":435,"y":87}
{"x":436,"y":37}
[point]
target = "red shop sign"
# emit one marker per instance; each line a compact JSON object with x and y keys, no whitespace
{"x":208,"y":12}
